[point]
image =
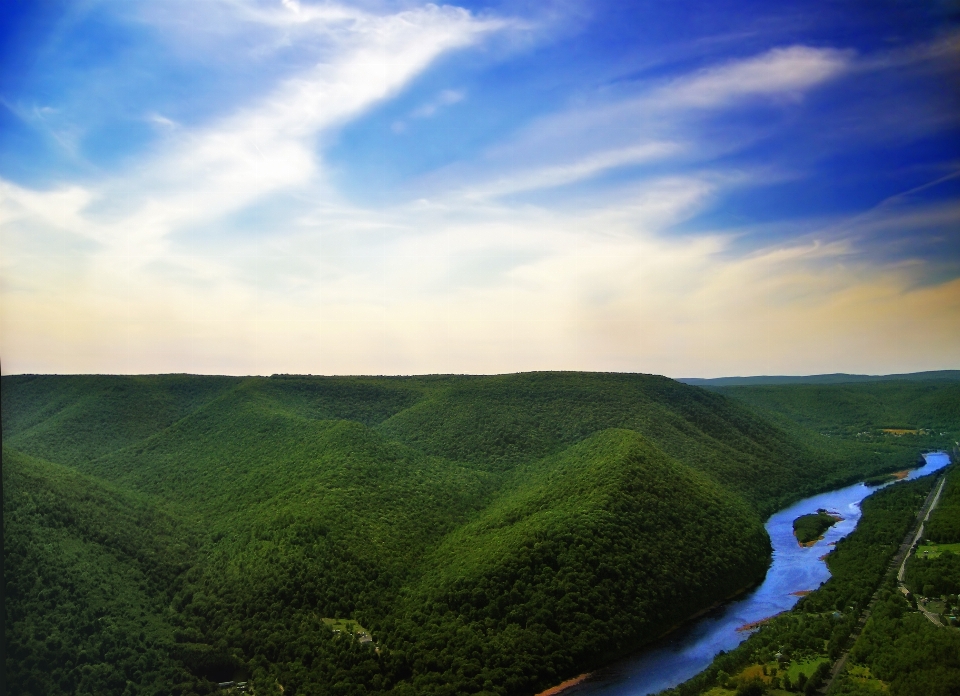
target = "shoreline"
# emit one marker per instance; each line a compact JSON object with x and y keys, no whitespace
{"x":570,"y":683}
{"x":753,"y":625}
{"x":832,"y":515}
{"x":563,"y":686}
{"x":599,"y":676}
{"x":693,"y":617}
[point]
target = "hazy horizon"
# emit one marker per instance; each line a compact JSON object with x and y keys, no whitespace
{"x":396,"y":188}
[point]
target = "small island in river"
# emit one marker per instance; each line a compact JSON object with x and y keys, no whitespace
{"x":809,"y":529}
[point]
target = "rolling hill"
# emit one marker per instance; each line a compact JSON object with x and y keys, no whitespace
{"x":493,"y":534}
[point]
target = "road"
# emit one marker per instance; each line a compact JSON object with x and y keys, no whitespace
{"x":919,"y":534}
{"x":896,"y":565}
{"x":903,"y":566}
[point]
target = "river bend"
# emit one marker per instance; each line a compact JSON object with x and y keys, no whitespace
{"x":794,"y":569}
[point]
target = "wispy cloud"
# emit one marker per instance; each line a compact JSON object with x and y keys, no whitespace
{"x":586,"y":167}
{"x":789,"y":71}
{"x":228,"y":248}
{"x":445,"y":98}
{"x":583,"y":142}
{"x":209,"y":171}
{"x":49,"y":121}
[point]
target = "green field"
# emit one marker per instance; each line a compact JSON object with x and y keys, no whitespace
{"x":493,"y":534}
{"x":934,"y":550}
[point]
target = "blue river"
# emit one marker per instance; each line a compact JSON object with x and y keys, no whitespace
{"x":690,"y":649}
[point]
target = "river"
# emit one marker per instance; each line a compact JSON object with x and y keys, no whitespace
{"x":794,"y":569}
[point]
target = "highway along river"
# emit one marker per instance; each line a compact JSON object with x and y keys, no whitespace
{"x":690,"y":650}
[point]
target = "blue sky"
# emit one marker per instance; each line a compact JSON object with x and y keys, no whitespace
{"x":685,"y":188}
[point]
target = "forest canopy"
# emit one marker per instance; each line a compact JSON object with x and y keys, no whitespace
{"x":490,"y":535}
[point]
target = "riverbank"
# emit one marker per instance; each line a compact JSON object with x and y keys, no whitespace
{"x":794,"y":572}
{"x":809,"y":529}
{"x":569,"y":684}
{"x":560,"y":688}
{"x":859,"y":565}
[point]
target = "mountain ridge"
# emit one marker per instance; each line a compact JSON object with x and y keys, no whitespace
{"x":830,"y":378}
{"x":485,"y":530}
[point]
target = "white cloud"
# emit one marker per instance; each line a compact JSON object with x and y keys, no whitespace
{"x":588,"y":166}
{"x":790,"y":71}
{"x":445,"y":98}
{"x":204,"y":173}
{"x":463,"y":282}
{"x":582,"y":142}
{"x":425,"y":288}
{"x":61,"y":208}
{"x":163,"y":122}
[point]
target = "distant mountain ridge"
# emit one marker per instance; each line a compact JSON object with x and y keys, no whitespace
{"x":834,"y":378}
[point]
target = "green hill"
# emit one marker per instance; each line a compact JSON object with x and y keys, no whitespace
{"x":498,"y":421}
{"x":493,"y":534}
{"x":87,"y":572}
{"x":835,"y":378}
{"x":586,"y":554}
{"x":76,"y":418}
{"x":864,"y":410}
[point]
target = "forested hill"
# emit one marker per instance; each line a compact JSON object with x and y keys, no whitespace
{"x":834,"y":378}
{"x":923,"y":413}
{"x":492,"y":534}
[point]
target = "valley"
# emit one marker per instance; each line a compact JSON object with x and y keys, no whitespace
{"x":490,"y":535}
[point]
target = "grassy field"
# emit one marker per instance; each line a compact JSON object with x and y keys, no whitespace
{"x":346,"y":627}
{"x":934,"y":550}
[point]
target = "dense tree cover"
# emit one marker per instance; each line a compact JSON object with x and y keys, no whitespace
{"x":943,"y":527}
{"x":940,"y":575}
{"x":498,"y":421}
{"x":860,"y":412}
{"x":821,"y":622}
{"x":585,"y":560}
{"x":934,"y":577}
{"x":87,"y":572}
{"x":75,"y":418}
{"x":811,"y":527}
{"x":495,"y":534}
{"x":901,"y":647}
{"x":906,"y":651}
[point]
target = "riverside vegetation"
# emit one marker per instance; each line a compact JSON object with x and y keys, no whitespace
{"x":492,"y":535}
{"x":810,"y":528}
{"x":899,"y":651}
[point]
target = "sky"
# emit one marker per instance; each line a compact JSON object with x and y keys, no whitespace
{"x":687,"y":188}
